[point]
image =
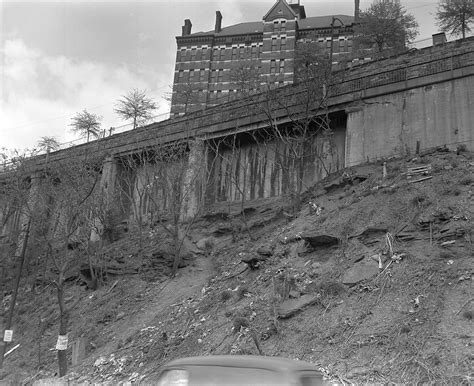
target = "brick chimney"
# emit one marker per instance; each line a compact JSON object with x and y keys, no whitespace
{"x":439,"y":38}
{"x":357,"y":10}
{"x":186,"y":28}
{"x":218,"y":27}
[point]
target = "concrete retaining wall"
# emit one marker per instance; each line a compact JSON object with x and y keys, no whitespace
{"x":390,"y":125}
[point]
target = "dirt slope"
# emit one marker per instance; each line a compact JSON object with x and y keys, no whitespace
{"x":390,"y":301}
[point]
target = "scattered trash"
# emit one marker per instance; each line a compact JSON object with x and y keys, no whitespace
{"x":11,"y":350}
{"x":420,"y":179}
{"x":450,"y":242}
{"x":450,"y":262}
{"x":314,"y":209}
{"x":466,"y":276}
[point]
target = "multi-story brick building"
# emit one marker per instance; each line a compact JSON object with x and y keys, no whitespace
{"x":216,"y":66}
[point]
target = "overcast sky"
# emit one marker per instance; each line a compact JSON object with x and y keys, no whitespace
{"x":60,"y":57}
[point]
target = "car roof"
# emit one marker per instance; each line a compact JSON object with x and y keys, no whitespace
{"x":249,"y":361}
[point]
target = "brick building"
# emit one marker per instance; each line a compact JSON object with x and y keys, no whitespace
{"x":220,"y":65}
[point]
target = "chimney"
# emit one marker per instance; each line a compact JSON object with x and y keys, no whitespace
{"x":218,"y":27}
{"x":439,"y":38}
{"x":357,"y":11}
{"x":186,"y":28}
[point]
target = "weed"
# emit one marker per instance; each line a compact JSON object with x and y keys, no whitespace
{"x":461,"y":148}
{"x":420,"y":200}
{"x":242,"y":291}
{"x":469,"y":314}
{"x":405,"y":329}
{"x":451,"y":191}
{"x":240,"y":322}
{"x":331,"y":288}
{"x":445,"y":255}
{"x":467,"y":180}
{"x":225,"y":295}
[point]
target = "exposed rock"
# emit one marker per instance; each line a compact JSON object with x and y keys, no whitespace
{"x":291,"y":306}
{"x":371,"y":235}
{"x":344,"y":181}
{"x":320,"y":240}
{"x":254,"y":261}
{"x":206,"y":243}
{"x":363,"y":270}
{"x":265,"y":250}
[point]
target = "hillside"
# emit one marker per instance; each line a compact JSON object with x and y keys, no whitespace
{"x":370,"y":278}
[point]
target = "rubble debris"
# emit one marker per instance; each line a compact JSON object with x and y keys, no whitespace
{"x":265,"y":250}
{"x":362,"y":270}
{"x":424,"y":170}
{"x":320,"y":240}
{"x":291,"y":306}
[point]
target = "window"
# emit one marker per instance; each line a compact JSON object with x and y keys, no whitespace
{"x":254,"y":52}
{"x":283,"y":43}
{"x":282,"y":66}
{"x":283,"y":26}
{"x":202,"y":74}
{"x":180,"y":76}
{"x":234,"y":53}
{"x":274,"y":44}
{"x":191,"y":75}
{"x":215,"y":53}
{"x":193,"y":54}
{"x":222,"y":53}
{"x":219,"y":75}
{"x":242,"y":52}
{"x":273,"y":66}
{"x":204,"y":52}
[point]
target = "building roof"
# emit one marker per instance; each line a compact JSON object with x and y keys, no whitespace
{"x":324,"y":21}
{"x":257,"y":26}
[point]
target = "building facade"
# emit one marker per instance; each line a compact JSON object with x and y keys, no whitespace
{"x":225,"y":63}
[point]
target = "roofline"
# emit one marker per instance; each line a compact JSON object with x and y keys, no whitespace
{"x":274,"y":5}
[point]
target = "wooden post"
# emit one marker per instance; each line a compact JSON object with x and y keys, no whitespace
{"x":417,"y":147}
{"x":78,"y":351}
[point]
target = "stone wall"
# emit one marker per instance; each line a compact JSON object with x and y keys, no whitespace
{"x":255,"y":170}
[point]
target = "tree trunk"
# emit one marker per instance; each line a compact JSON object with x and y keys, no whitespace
{"x":63,"y":324}
{"x":15,"y":290}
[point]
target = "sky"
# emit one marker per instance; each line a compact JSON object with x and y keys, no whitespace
{"x":58,"y":58}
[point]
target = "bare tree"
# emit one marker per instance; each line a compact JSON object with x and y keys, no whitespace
{"x":185,"y":97}
{"x":67,"y":195}
{"x":86,"y":124}
{"x":135,"y":106}
{"x":386,"y":24}
{"x":454,"y":16}
{"x":246,"y":78}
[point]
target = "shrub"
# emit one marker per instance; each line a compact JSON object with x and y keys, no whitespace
{"x":226,"y":295}
{"x":331,"y":288}
{"x":469,"y":315}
